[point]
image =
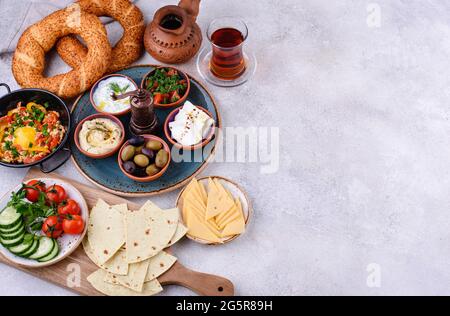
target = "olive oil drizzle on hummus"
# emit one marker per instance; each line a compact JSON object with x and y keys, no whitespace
{"x":99,"y":136}
{"x":99,"y":129}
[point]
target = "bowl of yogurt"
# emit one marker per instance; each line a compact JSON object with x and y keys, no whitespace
{"x":104,"y":89}
{"x":189,"y":127}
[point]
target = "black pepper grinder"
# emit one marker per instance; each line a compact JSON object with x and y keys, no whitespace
{"x":143,"y":117}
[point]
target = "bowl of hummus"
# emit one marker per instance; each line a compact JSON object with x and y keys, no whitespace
{"x":189,"y":127}
{"x":99,"y":135}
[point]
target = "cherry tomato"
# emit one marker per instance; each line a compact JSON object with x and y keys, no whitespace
{"x":33,"y":189}
{"x":73,"y":224}
{"x":37,"y":184}
{"x":56,"y":194}
{"x":69,"y":206}
{"x":53,"y":227}
{"x":158,"y":98}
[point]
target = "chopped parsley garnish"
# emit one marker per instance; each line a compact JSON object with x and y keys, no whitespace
{"x":38,"y":115}
{"x":45,"y":130}
{"x":15,"y":152}
{"x":8,"y":145}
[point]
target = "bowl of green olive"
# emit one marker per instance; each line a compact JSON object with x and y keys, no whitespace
{"x":144,"y":158}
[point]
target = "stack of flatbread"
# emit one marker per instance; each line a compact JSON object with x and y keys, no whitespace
{"x":128,"y":246}
{"x":214,"y":215}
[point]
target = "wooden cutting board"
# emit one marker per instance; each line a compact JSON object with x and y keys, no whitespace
{"x":201,"y":283}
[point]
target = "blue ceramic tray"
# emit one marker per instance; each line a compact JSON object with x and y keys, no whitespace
{"x":106,"y":173}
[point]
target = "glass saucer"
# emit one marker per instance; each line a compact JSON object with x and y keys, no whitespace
{"x":203,"y":68}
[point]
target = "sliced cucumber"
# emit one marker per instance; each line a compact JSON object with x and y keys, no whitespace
{"x":13,"y":235}
{"x":52,"y":254}
{"x":22,"y":248}
{"x":8,"y":243}
{"x":9,"y":218}
{"x":12,"y":229}
{"x":46,"y":246}
{"x":32,"y":250}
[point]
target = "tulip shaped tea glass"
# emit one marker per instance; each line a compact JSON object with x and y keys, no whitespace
{"x":225,"y":63}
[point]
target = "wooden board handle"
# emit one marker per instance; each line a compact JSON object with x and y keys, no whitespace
{"x":200,"y":283}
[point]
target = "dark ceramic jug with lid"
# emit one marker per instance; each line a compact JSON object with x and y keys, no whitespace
{"x":173,"y":36}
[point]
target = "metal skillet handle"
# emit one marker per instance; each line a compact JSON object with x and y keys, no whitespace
{"x":58,"y":159}
{"x":6,"y":86}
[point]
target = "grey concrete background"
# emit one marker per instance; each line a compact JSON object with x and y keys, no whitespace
{"x":363,"y":114}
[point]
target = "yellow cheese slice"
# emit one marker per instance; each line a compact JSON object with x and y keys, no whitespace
{"x":192,"y":195}
{"x":197,"y":203}
{"x":198,"y":228}
{"x":220,"y":187}
{"x":237,"y":212}
{"x":222,"y":216}
{"x":225,"y":193}
{"x":237,"y":208}
{"x":236,"y":227}
{"x":214,"y":224}
{"x":218,"y":201}
{"x":198,"y":199}
{"x":229,"y":219}
{"x":193,"y":190}
{"x":185,"y":211}
{"x":211,"y":185}
{"x":200,"y":190}
{"x":190,"y":207}
{"x":213,"y":229}
{"x":203,"y":192}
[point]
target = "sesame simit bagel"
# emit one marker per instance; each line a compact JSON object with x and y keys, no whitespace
{"x":29,"y":58}
{"x":129,"y":47}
